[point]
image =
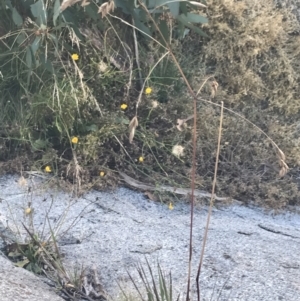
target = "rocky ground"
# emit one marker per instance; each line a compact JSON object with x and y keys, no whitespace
{"x":250,"y":255}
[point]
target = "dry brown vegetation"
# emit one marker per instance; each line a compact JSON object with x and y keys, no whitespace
{"x":252,"y":53}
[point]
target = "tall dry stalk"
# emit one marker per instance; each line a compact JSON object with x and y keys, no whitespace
{"x":281,"y":157}
{"x":211,"y":202}
{"x":194,"y":148}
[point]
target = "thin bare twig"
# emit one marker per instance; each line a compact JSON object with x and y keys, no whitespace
{"x":211,"y":202}
{"x":194,"y":143}
{"x":137,"y":57}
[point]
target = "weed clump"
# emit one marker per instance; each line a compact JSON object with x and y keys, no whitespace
{"x":253,"y":52}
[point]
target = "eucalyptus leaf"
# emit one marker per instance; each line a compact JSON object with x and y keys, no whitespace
{"x":8,"y":4}
{"x":39,"y":11}
{"x":56,"y":11}
{"x":39,"y":144}
{"x":35,"y":45}
{"x":174,"y":8}
{"x":195,"y":18}
{"x":17,"y":17}
{"x":21,"y":38}
{"x":183,"y":19}
{"x":153,"y":3}
{"x":141,"y":26}
{"x":163,"y":27}
{"x":54,"y":39}
{"x":122,"y":120}
{"x":28,"y":58}
{"x":183,"y":7}
{"x":124,"y":5}
{"x":46,"y":63}
{"x":92,"y":128}
{"x":185,"y":32}
{"x":68,"y":16}
{"x":91,"y":10}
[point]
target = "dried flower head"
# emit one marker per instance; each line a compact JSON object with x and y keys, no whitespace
{"x":283,"y":166}
{"x":102,"y":66}
{"x":66,"y":3}
{"x":181,"y":124}
{"x":132,"y":127}
{"x":154,"y":104}
{"x":214,"y":88}
{"x":22,"y":182}
{"x":177,"y":150}
{"x":106,"y":8}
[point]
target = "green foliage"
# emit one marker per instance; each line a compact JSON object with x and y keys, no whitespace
{"x":156,"y":287}
{"x":31,"y":256}
{"x":49,"y":95}
{"x":159,"y":10}
{"x":49,"y":101}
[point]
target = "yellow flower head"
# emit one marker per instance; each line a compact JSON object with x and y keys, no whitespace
{"x":148,"y":91}
{"x":75,"y":140}
{"x":102,"y":173}
{"x":171,"y":207}
{"x":75,"y":57}
{"x":141,"y":159}
{"x":124,"y":106}
{"x":28,"y":210}
{"x":48,"y":168}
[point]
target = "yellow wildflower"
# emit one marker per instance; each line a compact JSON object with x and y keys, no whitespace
{"x":141,"y":159}
{"x":75,"y":140}
{"x":28,"y":210}
{"x":75,"y":57}
{"x":48,"y":168}
{"x":102,"y":173}
{"x":148,"y":91}
{"x":124,"y":106}
{"x":171,"y":207}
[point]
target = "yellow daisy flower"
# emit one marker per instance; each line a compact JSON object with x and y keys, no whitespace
{"x":75,"y":140}
{"x":28,"y":211}
{"x":48,"y":168}
{"x":141,"y":159}
{"x":75,"y":57}
{"x":148,"y":91}
{"x":102,"y":173}
{"x":124,"y":106}
{"x":171,"y":207}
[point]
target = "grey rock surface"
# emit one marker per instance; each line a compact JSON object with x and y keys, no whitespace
{"x":250,"y":254}
{"x":17,"y":284}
